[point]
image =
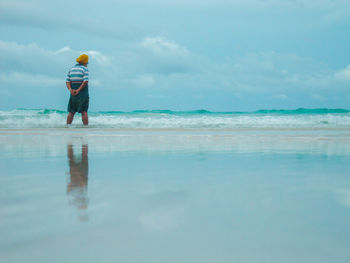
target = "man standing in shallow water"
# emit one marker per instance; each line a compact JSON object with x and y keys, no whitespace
{"x":77,"y":84}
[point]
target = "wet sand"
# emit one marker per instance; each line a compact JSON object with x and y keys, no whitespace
{"x":88,"y":195}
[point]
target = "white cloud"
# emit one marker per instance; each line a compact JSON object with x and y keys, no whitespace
{"x":55,"y":16}
{"x":343,"y":74}
{"x":158,"y":60}
{"x":144,"y":81}
{"x":168,"y":54}
{"x":164,"y":47}
{"x":35,"y":59}
{"x":265,"y":72}
{"x":165,"y":56}
{"x":280,"y":97}
{"x":236,"y":3}
{"x":268,"y":72}
{"x":100,"y":59}
{"x":64,"y":50}
{"x":155,"y":96}
{"x":14,"y":79}
{"x":33,"y":66}
{"x":344,"y":197}
{"x":32,"y":58}
{"x":318,"y":97}
{"x":107,"y":18}
{"x":4,"y":92}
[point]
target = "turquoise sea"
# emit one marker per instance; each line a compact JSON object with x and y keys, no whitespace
{"x":199,"y":119}
{"x":163,"y":186}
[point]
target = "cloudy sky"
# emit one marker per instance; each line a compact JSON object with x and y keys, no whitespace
{"x":221,"y":55}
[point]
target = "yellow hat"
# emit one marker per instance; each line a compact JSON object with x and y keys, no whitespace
{"x":83,"y":59}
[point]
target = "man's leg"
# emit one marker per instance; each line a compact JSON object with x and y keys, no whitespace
{"x":84,"y":117}
{"x":70,"y":117}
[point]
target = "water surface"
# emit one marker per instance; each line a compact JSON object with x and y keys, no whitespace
{"x":85,"y":195}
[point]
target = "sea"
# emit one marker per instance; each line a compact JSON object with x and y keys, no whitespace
{"x":198,"y":119}
{"x":161,"y":186}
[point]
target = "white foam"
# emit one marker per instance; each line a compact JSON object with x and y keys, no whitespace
{"x":42,"y":119}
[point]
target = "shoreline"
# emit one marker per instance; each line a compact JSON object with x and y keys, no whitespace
{"x":189,"y":130}
{"x":268,"y":135}
{"x":54,"y":141}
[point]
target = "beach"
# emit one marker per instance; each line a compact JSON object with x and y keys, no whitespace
{"x":175,"y":131}
{"x":174,"y":195}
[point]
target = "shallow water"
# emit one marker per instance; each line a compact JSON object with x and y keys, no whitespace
{"x":79,"y":195}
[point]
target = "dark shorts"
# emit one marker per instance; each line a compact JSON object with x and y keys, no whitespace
{"x":77,"y":104}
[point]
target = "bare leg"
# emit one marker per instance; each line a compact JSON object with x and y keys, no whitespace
{"x":84,"y":117}
{"x":70,"y":117}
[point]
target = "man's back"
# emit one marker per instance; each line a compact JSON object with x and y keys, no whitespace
{"x":76,"y":75}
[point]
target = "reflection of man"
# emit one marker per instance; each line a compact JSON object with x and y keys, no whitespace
{"x":77,"y":84}
{"x":78,"y":170}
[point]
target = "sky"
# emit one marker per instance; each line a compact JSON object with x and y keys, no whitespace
{"x":219,"y":55}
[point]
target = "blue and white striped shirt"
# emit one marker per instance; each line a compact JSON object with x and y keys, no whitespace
{"x":76,"y":75}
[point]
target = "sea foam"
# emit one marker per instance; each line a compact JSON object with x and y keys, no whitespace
{"x":165,"y":119}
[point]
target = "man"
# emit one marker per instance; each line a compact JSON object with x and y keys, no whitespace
{"x":77,"y":84}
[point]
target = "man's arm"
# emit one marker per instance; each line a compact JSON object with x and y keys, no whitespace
{"x":82,"y":86}
{"x":69,"y":87}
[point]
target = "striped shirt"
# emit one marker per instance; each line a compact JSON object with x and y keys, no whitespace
{"x":76,"y":75}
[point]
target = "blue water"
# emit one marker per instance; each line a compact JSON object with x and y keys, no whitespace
{"x":202,"y":111}
{"x":95,"y":196}
{"x":199,"y":119}
{"x":164,"y":186}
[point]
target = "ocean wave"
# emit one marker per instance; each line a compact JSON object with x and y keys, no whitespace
{"x":167,"y":119}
